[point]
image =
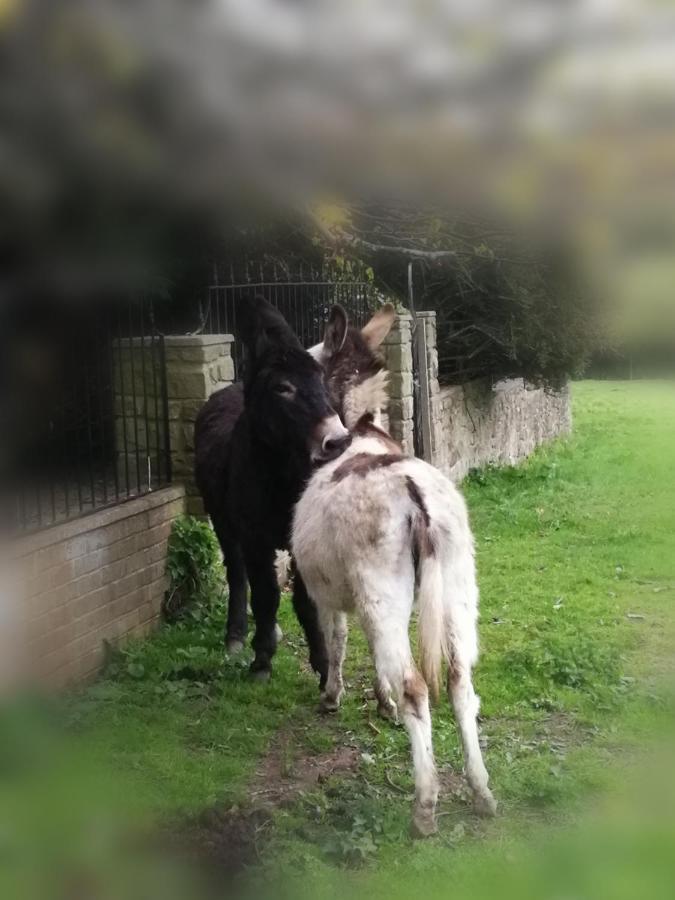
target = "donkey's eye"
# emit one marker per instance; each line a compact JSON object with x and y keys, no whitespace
{"x":285,"y":389}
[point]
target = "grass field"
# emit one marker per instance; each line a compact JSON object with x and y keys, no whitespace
{"x":576,"y":561}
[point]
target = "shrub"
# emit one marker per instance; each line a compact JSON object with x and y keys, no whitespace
{"x":505,"y":311}
{"x":193,"y":565}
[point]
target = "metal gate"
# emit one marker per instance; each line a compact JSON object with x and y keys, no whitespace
{"x":303,"y":295}
{"x":422,"y":435}
{"x":83,"y":408}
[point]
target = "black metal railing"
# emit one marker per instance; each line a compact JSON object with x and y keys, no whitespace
{"x":87,"y":421}
{"x":304,"y":295}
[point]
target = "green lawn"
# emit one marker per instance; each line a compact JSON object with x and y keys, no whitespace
{"x":576,"y":562}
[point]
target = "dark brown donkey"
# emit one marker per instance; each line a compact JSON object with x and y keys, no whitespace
{"x":256,"y":444}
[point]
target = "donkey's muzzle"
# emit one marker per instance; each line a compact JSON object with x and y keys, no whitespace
{"x":332,"y":441}
{"x":333,"y":447}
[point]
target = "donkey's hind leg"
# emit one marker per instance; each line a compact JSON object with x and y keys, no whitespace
{"x":237,"y":607}
{"x":386,"y":707}
{"x":394,"y":663}
{"x":334,"y":626}
{"x":465,"y":704}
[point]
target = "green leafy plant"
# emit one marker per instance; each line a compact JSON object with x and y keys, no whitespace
{"x":193,"y":566}
{"x":349,"y":823}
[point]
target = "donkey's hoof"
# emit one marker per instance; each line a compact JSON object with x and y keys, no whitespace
{"x":278,"y":633}
{"x":423,"y":824}
{"x":485,"y":805}
{"x":234,"y":646}
{"x":260,"y":674}
{"x":388,"y":711}
{"x":329,"y":704}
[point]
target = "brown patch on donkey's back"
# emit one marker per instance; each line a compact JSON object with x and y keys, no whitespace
{"x":365,"y":427}
{"x":423,"y":545}
{"x":362,"y":463}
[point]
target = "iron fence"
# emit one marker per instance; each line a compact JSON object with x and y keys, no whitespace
{"x":304,"y":296}
{"x":84,"y":408}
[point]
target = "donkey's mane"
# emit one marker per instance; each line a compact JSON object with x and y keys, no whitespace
{"x":366,"y":396}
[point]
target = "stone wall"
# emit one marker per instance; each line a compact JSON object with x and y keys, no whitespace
{"x":70,"y":589}
{"x":480,"y":423}
{"x":467,"y":425}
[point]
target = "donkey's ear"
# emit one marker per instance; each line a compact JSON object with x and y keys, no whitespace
{"x":375,"y":331}
{"x":336,"y":331}
{"x":261,"y":326}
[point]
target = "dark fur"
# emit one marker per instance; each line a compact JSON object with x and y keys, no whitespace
{"x":251,"y":462}
{"x":422,"y":544}
{"x":417,"y":498}
{"x":250,"y":473}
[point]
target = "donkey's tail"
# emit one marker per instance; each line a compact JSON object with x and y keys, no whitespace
{"x":431,"y":625}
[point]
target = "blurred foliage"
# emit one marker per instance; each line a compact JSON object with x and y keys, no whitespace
{"x":507,"y":305}
{"x":640,"y":324}
{"x":507,"y":312}
{"x":148,"y":179}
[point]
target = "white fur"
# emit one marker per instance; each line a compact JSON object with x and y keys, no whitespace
{"x":369,"y":396}
{"x":316,"y":352}
{"x":352,"y":542}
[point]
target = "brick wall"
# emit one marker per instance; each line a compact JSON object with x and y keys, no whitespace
{"x":69,"y":589}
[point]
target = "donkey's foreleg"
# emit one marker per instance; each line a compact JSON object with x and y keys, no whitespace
{"x":308,"y":617}
{"x":237,"y":604}
{"x":264,"y":604}
{"x":335,"y":631}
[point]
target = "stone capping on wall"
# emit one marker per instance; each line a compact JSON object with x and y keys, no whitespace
{"x":182,"y":340}
{"x":77,"y":585}
{"x":100,"y":518}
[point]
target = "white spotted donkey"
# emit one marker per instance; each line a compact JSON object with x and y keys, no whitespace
{"x":372,"y":530}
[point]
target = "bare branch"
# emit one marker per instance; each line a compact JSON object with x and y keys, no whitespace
{"x":338,"y":237}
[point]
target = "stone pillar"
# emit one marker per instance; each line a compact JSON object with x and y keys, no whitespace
{"x":196,"y":366}
{"x":398,"y":354}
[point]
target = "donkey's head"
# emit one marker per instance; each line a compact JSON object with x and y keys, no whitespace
{"x":354,"y":368}
{"x":286,"y":399}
